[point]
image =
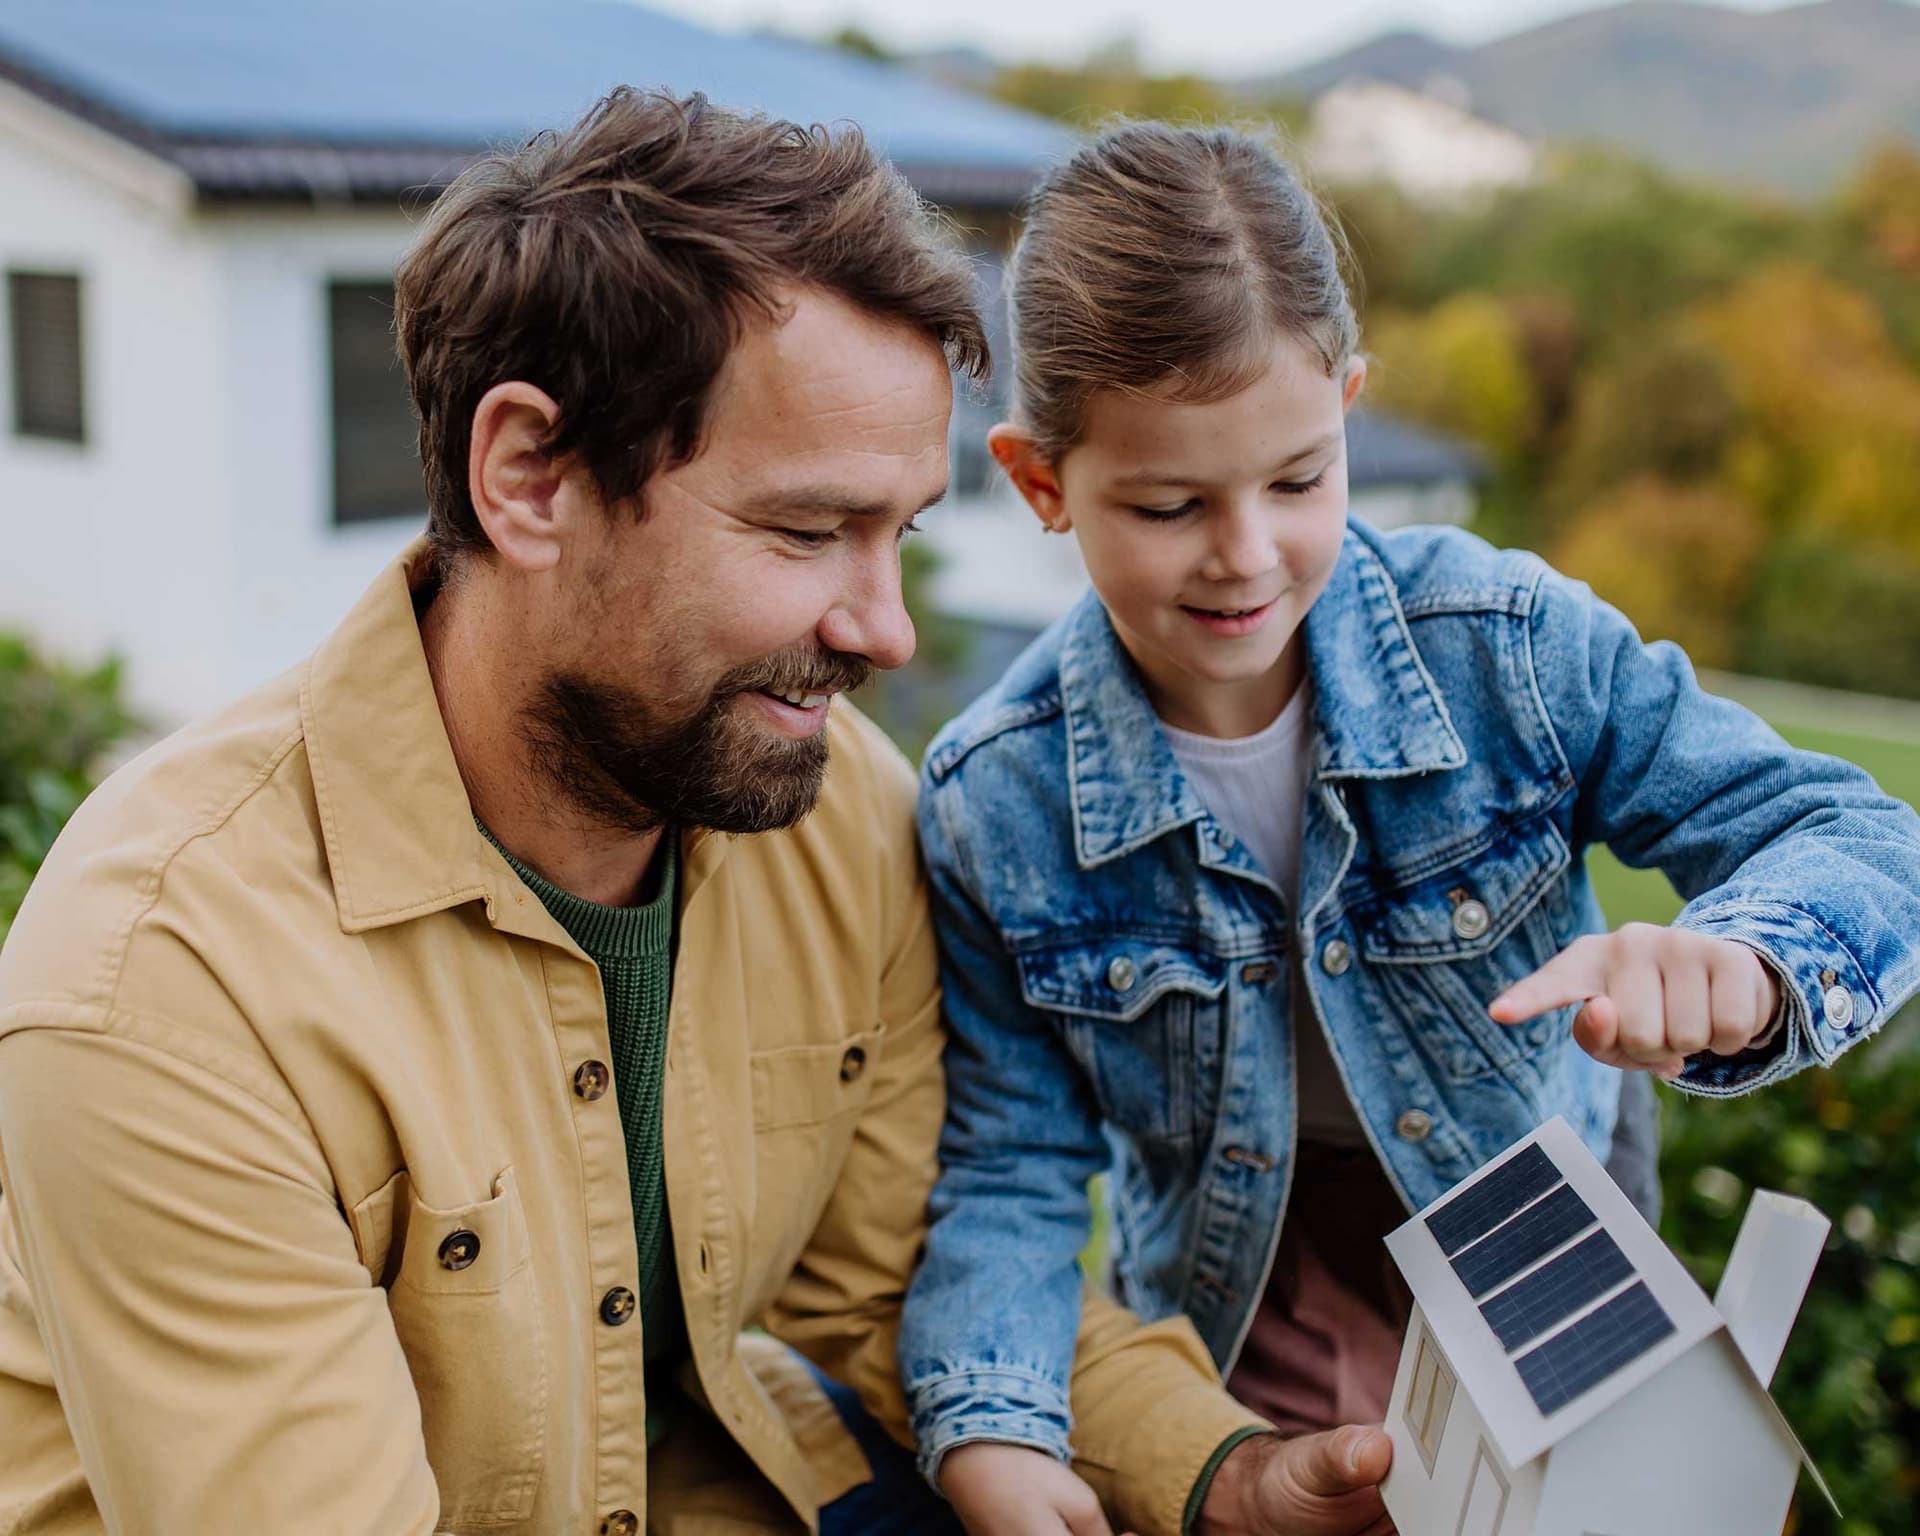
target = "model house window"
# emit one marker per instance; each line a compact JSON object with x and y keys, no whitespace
{"x":43,"y":318}
{"x":1486,"y":1502}
{"x":376,"y":465}
{"x":1429,"y":1399}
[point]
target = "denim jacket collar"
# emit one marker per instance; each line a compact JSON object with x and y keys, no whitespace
{"x":1377,"y":711}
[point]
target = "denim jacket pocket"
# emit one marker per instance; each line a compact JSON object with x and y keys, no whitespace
{"x":1136,"y":1010}
{"x":1447,"y":942}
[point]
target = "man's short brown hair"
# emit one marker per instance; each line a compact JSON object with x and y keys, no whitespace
{"x":613,"y":266}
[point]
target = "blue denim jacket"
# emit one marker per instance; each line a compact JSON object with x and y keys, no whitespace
{"x":1115,"y":965}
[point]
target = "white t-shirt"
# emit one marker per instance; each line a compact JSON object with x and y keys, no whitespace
{"x":1256,"y":786}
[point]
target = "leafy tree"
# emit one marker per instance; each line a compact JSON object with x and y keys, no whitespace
{"x":1837,"y":616}
{"x":1662,"y":406}
{"x":1679,"y":560}
{"x":860,"y":43}
{"x":1836,"y":407}
{"x":55,"y":724}
{"x":1461,"y":367}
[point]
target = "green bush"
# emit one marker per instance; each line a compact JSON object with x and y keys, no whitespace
{"x":1848,"y":1140}
{"x":1837,"y":616}
{"x":56,"y":722}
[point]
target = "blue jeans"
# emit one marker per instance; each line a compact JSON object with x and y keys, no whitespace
{"x":897,"y":1500}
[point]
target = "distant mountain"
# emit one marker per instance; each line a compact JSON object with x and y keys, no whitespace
{"x":1788,"y":100}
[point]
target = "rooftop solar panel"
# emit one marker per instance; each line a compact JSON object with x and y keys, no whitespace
{"x":1581,"y":1357}
{"x":1482,"y":1206}
{"x":1522,"y":1240}
{"x":1555,"y":1291}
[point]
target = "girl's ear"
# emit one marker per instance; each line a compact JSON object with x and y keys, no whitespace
{"x":1356,"y":380}
{"x":1033,"y":476}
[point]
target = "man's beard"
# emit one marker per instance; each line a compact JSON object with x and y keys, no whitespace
{"x":632,"y":763}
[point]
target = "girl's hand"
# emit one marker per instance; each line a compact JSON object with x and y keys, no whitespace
{"x":1014,"y":1490}
{"x":1653,"y":996}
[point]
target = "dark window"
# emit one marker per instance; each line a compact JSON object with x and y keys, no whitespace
{"x":376,"y":464}
{"x":49,"y":395}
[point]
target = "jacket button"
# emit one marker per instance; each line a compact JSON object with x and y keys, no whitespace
{"x":1413,"y":1125}
{"x":459,"y":1249}
{"x":852,"y":1064}
{"x":1471,"y":919}
{"x":622,"y":1522}
{"x":1839,"y":1006}
{"x":1336,"y":958}
{"x":616,"y":1306}
{"x":590,"y":1079}
{"x":1120,"y":973}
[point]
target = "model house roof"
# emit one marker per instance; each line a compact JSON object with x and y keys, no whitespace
{"x":1553,"y":1298}
{"x":369,"y":98}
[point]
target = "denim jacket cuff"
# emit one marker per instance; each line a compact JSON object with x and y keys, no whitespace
{"x":1004,"y":1404}
{"x":1827,"y":1000}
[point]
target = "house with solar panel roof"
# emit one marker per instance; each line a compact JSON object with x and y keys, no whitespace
{"x":1562,"y":1374}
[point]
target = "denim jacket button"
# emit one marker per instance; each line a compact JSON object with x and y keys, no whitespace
{"x":1413,"y":1125}
{"x":1120,"y":973}
{"x":1839,"y":1005}
{"x":1336,"y":957}
{"x":1471,"y":919}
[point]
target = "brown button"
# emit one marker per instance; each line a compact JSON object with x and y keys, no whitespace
{"x":852,"y":1064}
{"x":622,"y":1522}
{"x":459,"y":1249}
{"x":616,"y":1306}
{"x":590,"y":1079}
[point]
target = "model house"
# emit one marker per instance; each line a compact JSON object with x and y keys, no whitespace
{"x":1563,"y":1375}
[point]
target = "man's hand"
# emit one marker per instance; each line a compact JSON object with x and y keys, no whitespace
{"x":1014,"y":1490}
{"x":1317,"y":1485}
{"x":1653,"y":996}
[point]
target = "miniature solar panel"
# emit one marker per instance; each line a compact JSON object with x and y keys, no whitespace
{"x":1482,"y":1206}
{"x":1522,"y":1240}
{"x":1581,"y":1357}
{"x":1555,"y":1291}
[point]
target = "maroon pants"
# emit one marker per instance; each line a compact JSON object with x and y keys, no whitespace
{"x":1325,"y":1342}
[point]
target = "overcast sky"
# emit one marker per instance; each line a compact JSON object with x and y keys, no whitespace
{"x":1222,"y":36}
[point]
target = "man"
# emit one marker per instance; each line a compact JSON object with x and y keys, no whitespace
{"x":418,"y":1084}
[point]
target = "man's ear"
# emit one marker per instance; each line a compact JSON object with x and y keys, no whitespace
{"x":1032,"y":474}
{"x":1356,"y":381}
{"x":519,"y":491}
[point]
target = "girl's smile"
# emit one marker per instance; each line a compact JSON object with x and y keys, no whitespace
{"x":1231,"y":623}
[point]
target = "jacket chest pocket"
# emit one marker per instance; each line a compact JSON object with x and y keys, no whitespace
{"x":1444,"y":946}
{"x":466,"y":1307}
{"x":806,"y":1106}
{"x":1143,"y":1017}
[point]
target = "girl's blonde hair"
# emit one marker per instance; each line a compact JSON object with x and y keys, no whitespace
{"x":1169,"y":260}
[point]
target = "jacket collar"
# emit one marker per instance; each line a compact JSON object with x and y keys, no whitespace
{"x":1377,"y":711}
{"x":400,"y":835}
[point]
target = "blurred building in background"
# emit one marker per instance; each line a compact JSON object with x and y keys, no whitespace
{"x":1425,"y":142}
{"x":209,"y":449}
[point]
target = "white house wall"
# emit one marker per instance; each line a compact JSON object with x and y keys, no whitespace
{"x":115,"y":544}
{"x":296,"y":574}
{"x":1693,"y":1451}
{"x":1437,"y":1505}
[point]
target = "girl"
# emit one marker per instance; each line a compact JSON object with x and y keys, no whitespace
{"x":1230,"y":866}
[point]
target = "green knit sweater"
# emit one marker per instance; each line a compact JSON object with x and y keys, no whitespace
{"x":633,"y":946}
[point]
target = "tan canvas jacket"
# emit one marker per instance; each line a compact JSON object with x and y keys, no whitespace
{"x":315,"y":1213}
